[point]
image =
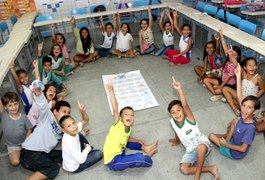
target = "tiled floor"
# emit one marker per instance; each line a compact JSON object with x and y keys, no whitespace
{"x":151,"y":124}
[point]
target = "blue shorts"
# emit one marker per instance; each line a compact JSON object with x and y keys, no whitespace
{"x":225,"y":151}
{"x":191,"y":157}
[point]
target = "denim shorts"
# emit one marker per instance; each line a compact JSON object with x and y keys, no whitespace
{"x":191,"y":157}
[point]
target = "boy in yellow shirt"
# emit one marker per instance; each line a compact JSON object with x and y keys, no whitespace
{"x":119,"y":138}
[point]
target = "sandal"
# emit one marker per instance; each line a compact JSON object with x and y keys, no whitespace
{"x":216,"y":97}
{"x":223,"y":99}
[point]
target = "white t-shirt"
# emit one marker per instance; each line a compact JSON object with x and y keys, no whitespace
{"x":123,"y":41}
{"x":189,"y":135}
{"x":29,"y":95}
{"x":108,"y":40}
{"x":56,"y":64}
{"x":44,"y":79}
{"x":168,"y":38}
{"x":47,"y":133}
{"x":72,"y":155}
{"x":183,"y":43}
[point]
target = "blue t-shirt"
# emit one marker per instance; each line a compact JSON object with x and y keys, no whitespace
{"x":244,"y":133}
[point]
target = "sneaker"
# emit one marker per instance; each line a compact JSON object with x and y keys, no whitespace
{"x":216,"y":97}
{"x":237,"y":112}
{"x":223,"y":99}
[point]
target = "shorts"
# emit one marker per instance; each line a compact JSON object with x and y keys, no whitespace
{"x":227,"y":85}
{"x":225,"y":151}
{"x":45,"y":163}
{"x":11,"y":149}
{"x":191,"y":157}
{"x":123,"y":50}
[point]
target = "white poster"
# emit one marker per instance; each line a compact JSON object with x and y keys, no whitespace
{"x":130,"y":90}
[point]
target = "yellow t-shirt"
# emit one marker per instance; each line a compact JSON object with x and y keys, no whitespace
{"x":116,"y":141}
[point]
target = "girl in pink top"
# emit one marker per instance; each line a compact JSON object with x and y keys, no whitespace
{"x":60,"y":39}
{"x":215,"y":86}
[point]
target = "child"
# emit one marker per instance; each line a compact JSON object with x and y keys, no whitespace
{"x":59,"y":67}
{"x":84,"y":45}
{"x":236,"y":142}
{"x":124,"y":45}
{"x":119,"y":138}
{"x":183,"y":55}
{"x":187,"y":132}
{"x":16,"y":126}
{"x":38,"y":153}
{"x":252,"y":84}
{"x":77,"y":153}
{"x":213,"y":61}
{"x":50,"y":95}
{"x":168,"y":35}
{"x":146,"y":38}
{"x":215,"y":86}
{"x":43,"y":72}
{"x":60,"y":39}
{"x":108,"y":30}
{"x":22,"y":84}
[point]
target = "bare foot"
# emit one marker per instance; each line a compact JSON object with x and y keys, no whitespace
{"x":150,"y":147}
{"x":215,"y":173}
{"x":152,"y":152}
{"x":171,"y":64}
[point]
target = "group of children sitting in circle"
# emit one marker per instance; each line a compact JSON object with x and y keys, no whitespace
{"x":31,"y":136}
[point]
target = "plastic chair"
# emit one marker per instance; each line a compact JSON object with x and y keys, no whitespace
{"x":221,"y":15}
{"x":210,"y":9}
{"x":234,"y":20}
{"x":80,"y":11}
{"x":262,"y":59}
{"x":3,"y":29}
{"x":248,"y":27}
{"x":200,"y":6}
{"x":13,"y":19}
{"x":46,"y":33}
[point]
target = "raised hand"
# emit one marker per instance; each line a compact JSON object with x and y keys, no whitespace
{"x":52,"y":27}
{"x":168,"y":13}
{"x":81,"y":106}
{"x":73,"y":20}
{"x":175,"y":13}
{"x":40,"y":46}
{"x":101,"y":18}
{"x":176,"y":85}
{"x":12,"y":66}
{"x":35,"y":63}
{"x":216,"y":36}
{"x":109,"y":86}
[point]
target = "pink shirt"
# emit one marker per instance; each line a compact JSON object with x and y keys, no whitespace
{"x":229,"y":71}
{"x":64,"y":51}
